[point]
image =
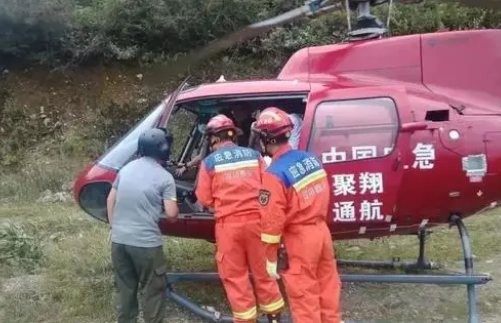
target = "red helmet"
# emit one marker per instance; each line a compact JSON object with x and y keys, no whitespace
{"x":273,"y":123}
{"x":222,"y":123}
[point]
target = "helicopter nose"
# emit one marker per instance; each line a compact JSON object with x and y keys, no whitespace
{"x":91,"y":190}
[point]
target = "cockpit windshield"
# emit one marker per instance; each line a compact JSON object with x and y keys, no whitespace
{"x":125,"y":149}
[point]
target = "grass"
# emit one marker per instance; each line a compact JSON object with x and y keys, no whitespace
{"x":74,"y":281}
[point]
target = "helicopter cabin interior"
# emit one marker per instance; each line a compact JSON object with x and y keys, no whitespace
{"x":187,"y":123}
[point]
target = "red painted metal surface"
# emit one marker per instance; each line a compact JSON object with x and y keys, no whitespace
{"x":241,"y":88}
{"x":413,"y":83}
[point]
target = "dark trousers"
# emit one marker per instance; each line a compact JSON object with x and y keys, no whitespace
{"x":139,"y":268}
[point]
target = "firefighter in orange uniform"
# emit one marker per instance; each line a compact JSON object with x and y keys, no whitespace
{"x":229,"y":181}
{"x":295,"y":200}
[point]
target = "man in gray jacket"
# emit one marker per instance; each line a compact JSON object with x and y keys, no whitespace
{"x":141,"y":195}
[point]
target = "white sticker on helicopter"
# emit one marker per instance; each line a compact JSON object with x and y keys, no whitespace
{"x":364,"y":152}
{"x":344,"y":212}
{"x":371,"y":182}
{"x":368,"y":210}
{"x":333,"y":156}
{"x":475,"y":165}
{"x":424,"y":156}
{"x":344,"y":184}
{"x":368,"y":183}
{"x":357,"y":153}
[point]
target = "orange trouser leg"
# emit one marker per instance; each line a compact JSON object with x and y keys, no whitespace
{"x":233,"y":270}
{"x":268,"y":293}
{"x":329,"y":281}
{"x":309,"y":299}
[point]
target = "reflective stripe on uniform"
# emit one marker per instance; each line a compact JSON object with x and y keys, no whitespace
{"x":270,"y":238}
{"x":272,"y":307}
{"x":309,"y":179}
{"x":237,"y":165}
{"x":250,"y":314}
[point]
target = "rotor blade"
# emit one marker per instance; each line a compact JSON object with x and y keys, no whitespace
{"x":170,"y":103}
{"x":249,"y":32}
{"x":483,"y":4}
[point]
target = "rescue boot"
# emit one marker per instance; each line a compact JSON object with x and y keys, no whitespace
{"x":274,"y":318}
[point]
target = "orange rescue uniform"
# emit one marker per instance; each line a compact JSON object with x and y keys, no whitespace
{"x":295,"y":199}
{"x":229,"y":181}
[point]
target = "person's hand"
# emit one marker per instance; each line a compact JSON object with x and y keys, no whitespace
{"x":181,"y":169}
{"x":271,"y":268}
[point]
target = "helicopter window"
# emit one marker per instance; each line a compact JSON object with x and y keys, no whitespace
{"x":354,"y":129}
{"x":181,"y":124}
{"x":125,"y":149}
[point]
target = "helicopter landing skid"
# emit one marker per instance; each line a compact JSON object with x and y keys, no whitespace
{"x":468,"y":278}
{"x":420,"y":264}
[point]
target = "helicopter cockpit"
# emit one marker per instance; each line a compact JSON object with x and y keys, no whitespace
{"x":187,"y":124}
{"x":188,"y":121}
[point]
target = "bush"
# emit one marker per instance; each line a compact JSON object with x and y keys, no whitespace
{"x":18,"y":248}
{"x":52,"y":31}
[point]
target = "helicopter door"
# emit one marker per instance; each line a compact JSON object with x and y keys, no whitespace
{"x":357,"y":134}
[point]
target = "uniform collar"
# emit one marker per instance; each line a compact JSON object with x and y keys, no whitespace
{"x":282,"y":150}
{"x":225,"y":144}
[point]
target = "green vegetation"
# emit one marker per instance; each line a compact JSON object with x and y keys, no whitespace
{"x":73,"y":281}
{"x":54,"y":31}
{"x":59,"y":39}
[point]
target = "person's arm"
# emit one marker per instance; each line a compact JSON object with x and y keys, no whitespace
{"x":110,"y":201}
{"x":296,"y":130}
{"x":170,"y":200}
{"x":194,"y":162}
{"x":203,"y":190}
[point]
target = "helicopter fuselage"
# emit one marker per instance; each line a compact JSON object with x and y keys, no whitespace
{"x":408,"y":129}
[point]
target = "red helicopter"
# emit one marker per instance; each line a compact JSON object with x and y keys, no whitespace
{"x":408,"y":129}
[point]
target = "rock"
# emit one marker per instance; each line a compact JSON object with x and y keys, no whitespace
{"x":26,"y":283}
{"x":139,"y":76}
{"x":67,"y":187}
{"x":210,"y":309}
{"x":56,"y":236}
{"x":49,"y":197}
